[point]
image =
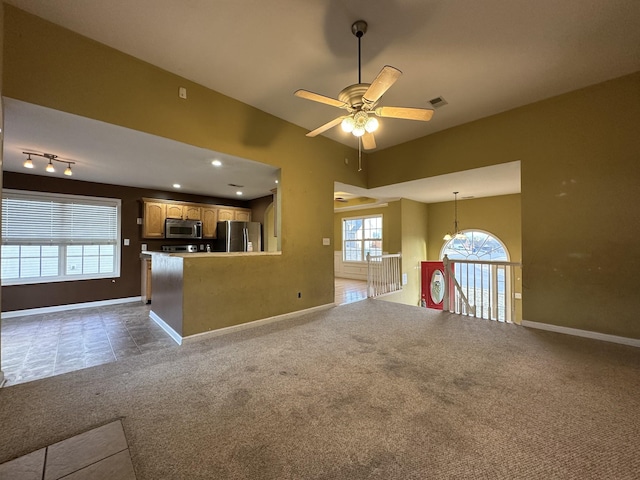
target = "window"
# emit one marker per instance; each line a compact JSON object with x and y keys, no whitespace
{"x":50,"y":237}
{"x":476,"y":245}
{"x":361,"y":236}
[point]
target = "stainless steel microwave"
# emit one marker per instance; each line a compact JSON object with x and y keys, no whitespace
{"x":176,"y":228}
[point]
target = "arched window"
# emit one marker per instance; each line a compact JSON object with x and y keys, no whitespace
{"x":485,"y":285}
{"x":475,"y":245}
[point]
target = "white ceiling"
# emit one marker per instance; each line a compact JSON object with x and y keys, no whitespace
{"x":483,"y":57}
{"x":106,"y":153}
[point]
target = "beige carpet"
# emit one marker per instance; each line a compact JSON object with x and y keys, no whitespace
{"x":370,"y":390}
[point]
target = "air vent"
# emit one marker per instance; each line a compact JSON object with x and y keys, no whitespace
{"x":234,"y":185}
{"x":438,"y":102}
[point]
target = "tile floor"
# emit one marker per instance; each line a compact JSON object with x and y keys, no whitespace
{"x":349,"y":291}
{"x":43,"y":345}
{"x":99,"y":454}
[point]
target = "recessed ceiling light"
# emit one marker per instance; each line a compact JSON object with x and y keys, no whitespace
{"x":176,"y":185}
{"x":276,"y":181}
{"x":238,"y":193}
{"x":216,"y":163}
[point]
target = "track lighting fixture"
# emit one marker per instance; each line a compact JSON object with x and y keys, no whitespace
{"x":28,"y":163}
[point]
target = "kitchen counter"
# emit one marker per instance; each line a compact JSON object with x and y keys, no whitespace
{"x":202,"y":291}
{"x":211,"y":254}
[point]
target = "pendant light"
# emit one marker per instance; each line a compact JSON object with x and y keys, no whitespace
{"x":28,"y":163}
{"x":457,"y":234}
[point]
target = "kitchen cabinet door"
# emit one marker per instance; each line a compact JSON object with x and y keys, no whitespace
{"x":153,"y":222}
{"x":226,"y":214}
{"x":209,"y":222}
{"x":243,"y":215}
{"x":175,"y":211}
{"x":191,"y":212}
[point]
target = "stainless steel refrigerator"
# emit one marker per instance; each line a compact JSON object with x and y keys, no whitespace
{"x":239,"y":236}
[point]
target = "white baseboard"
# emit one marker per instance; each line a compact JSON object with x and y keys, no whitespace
{"x":72,"y":306}
{"x":262,"y":321}
{"x":605,"y":337}
{"x":166,"y":327}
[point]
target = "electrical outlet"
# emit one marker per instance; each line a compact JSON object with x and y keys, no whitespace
{"x":126,"y":242}
{"x":182,"y":92}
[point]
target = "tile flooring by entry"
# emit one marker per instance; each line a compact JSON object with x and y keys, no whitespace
{"x":43,"y":345}
{"x":349,"y":291}
{"x":99,"y":454}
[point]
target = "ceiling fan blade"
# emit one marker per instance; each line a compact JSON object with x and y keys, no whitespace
{"x":316,"y":97}
{"x":368,"y":141}
{"x":387,"y":77}
{"x":408,"y":113}
{"x":325,"y":127}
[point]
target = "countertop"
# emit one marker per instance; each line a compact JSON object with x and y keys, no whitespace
{"x":148,"y":253}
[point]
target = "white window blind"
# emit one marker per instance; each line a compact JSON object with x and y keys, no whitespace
{"x":85,"y":232}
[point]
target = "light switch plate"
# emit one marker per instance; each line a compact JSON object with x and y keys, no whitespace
{"x":326,"y":241}
{"x":126,"y":242}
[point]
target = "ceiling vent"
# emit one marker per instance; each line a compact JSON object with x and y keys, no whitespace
{"x":438,"y":102}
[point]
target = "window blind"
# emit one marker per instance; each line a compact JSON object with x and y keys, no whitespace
{"x":38,"y":218}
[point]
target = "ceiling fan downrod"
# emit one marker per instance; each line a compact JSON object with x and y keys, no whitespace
{"x":359,"y":28}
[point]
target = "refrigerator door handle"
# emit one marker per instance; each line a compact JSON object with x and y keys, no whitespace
{"x":245,"y":239}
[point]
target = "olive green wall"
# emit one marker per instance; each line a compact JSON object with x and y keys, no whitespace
{"x":580,"y":164}
{"x":50,"y":66}
{"x":499,"y":216}
{"x":391,"y":235}
{"x":414,"y":229}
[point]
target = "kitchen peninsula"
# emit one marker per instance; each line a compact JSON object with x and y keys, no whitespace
{"x":199,"y":292}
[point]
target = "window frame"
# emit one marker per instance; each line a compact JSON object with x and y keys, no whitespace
{"x":64,"y":243}
{"x":363,"y":240}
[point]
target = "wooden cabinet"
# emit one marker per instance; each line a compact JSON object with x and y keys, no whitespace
{"x":232,"y":213}
{"x":157,"y":211}
{"x":154,"y":216}
{"x":209,"y":222}
{"x":243,"y":215}
{"x":192,"y":212}
{"x":226,"y":214}
{"x":174,"y":211}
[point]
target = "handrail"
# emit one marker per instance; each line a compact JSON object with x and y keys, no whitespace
{"x":490,"y":283}
{"x":383,"y":274}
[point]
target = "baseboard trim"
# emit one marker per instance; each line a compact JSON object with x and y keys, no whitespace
{"x":262,"y":321}
{"x":71,"y":306}
{"x":166,"y":327}
{"x":605,"y":337}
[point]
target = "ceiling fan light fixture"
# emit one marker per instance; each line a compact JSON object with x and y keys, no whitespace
{"x":371,"y":125}
{"x":358,"y":131}
{"x":348,"y":124}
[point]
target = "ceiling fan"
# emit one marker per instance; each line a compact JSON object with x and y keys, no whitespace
{"x":360,"y":101}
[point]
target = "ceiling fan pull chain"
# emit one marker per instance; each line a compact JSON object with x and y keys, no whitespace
{"x":359,"y":154}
